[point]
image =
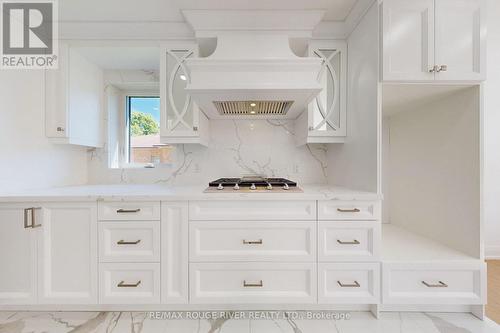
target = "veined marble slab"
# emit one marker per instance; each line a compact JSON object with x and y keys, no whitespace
{"x":141,"y":322}
{"x":166,"y":192}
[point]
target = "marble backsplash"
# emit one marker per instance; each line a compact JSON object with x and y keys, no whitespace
{"x":237,"y":147}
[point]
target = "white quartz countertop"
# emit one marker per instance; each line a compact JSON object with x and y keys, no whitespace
{"x":177,"y":193}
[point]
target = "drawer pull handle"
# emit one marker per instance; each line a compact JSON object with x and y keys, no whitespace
{"x":122,"y":242}
{"x":349,"y":285}
{"x":30,"y":213}
{"x":246,"y":284}
{"x":353,"y":242}
{"x":440,"y":284}
{"x":257,"y":242}
{"x":122,"y":284}
{"x":352,"y":210}
{"x":121,"y":210}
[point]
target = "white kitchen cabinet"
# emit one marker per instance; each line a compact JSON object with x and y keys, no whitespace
{"x":223,"y":283}
{"x":49,"y":254}
{"x":324,"y":121}
{"x":67,"y":254}
{"x":74,"y":100}
{"x":256,"y":210}
{"x":349,"y":283}
{"x":181,"y":120}
{"x":174,"y":252}
{"x":434,"y":283}
{"x":429,"y":40}
{"x":129,"y":283}
{"x":460,"y":39}
{"x":17,"y":256}
{"x":252,"y":241}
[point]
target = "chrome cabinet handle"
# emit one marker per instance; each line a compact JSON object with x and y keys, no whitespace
{"x":121,"y":210}
{"x":353,"y":242}
{"x":257,"y":242}
{"x":122,"y":284}
{"x":122,"y":242}
{"x":27,"y":213}
{"x":259,"y":284}
{"x":353,"y":210}
{"x":349,"y":285}
{"x":434,"y":69}
{"x":440,"y":284}
{"x":442,"y":68}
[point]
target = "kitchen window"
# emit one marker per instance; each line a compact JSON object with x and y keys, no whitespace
{"x":143,"y":132}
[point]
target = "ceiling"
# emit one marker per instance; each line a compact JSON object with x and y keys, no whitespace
{"x":138,"y":58}
{"x":170,"y":10}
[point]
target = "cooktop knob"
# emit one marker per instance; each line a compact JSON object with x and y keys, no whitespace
{"x":286,"y":187}
{"x":236,"y":187}
{"x":220,"y":187}
{"x":253,"y":187}
{"x":269,"y":186}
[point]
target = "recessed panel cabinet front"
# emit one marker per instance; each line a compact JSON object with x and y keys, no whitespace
{"x":67,"y":254}
{"x":17,"y":257}
{"x":238,"y":283}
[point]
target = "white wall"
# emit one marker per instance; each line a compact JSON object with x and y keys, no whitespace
{"x":354,"y":163}
{"x":27,"y":159}
{"x":434,"y":169}
{"x":491,"y":136}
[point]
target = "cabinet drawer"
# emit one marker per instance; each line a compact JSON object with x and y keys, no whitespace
{"x":239,"y":283}
{"x":137,"y":283}
{"x":129,"y":241}
{"x":349,"y":283}
{"x":348,"y":210}
{"x":436,"y":283}
{"x":133,"y":211}
{"x":252,"y":241}
{"x":348,"y":241}
{"x":252,"y":210}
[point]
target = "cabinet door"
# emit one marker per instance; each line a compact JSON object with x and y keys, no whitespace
{"x":67,"y":254}
{"x":327,"y":112}
{"x":17,"y":257}
{"x":407,"y":40}
{"x":460,"y":39}
{"x":181,"y":119}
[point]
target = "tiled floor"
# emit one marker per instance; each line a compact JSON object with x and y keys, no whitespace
{"x":140,"y":322}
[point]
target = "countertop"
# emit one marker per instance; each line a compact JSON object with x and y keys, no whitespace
{"x":177,"y":193}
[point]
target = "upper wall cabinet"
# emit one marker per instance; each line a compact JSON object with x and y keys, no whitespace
{"x":324,"y":121}
{"x":73,"y":100}
{"x":433,"y":40}
{"x":182,"y":121}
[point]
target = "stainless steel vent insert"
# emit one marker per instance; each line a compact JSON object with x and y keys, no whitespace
{"x":243,"y":108}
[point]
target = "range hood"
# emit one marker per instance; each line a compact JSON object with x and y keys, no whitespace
{"x":253,"y":72}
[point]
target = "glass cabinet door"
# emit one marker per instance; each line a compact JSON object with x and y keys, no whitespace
{"x":179,"y":106}
{"x":327,"y":110}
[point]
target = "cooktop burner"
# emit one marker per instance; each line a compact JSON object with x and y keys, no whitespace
{"x":253,"y":184}
{"x":248,"y":181}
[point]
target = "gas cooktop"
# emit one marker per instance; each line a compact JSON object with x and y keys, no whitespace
{"x":253,"y":184}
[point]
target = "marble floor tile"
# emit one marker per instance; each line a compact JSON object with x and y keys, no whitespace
{"x":142,"y":322}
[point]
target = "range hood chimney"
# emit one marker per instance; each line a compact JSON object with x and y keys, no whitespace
{"x":253,"y":73}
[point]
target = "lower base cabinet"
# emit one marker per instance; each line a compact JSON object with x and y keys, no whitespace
{"x":129,"y":283}
{"x":348,"y":283}
{"x":49,"y":254}
{"x":239,"y":283}
{"x":434,"y":283}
